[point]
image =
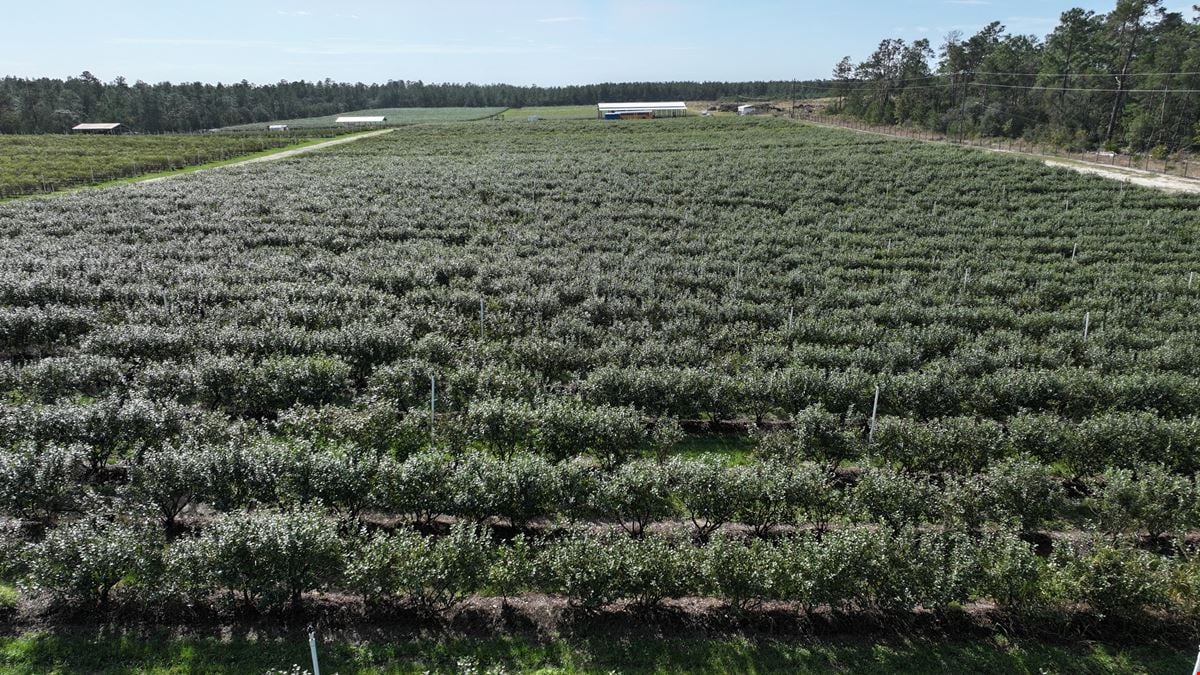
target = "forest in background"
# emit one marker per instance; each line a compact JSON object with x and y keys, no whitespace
{"x":46,"y":105}
{"x":1125,"y":80}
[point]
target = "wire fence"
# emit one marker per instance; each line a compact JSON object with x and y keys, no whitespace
{"x":1179,"y":164}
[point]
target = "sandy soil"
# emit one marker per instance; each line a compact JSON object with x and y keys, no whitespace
{"x":1133,"y":176}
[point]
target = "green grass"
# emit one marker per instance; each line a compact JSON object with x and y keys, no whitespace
{"x":114,"y":652}
{"x":9,"y":596}
{"x":396,"y":117}
{"x":557,"y":112}
{"x":734,"y":448}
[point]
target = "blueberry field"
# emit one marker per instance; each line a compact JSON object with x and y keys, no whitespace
{"x":395,"y":117}
{"x":473,"y":362}
{"x":48,"y":162}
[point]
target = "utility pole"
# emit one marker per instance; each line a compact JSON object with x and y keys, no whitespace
{"x":792,"y":113}
{"x":1162,"y":116}
{"x":962,"y":113}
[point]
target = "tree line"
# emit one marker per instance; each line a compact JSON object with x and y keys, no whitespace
{"x":1128,"y":79}
{"x":46,"y":105}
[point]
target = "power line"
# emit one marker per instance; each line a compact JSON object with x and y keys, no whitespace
{"x":1012,"y":114}
{"x":999,"y":73}
{"x":930,"y":86}
{"x":1049,"y":74}
{"x":904,"y":79}
{"x":867,"y":85}
{"x":1102,"y":90}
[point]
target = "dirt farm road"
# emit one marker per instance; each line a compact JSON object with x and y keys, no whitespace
{"x":280,"y":155}
{"x":1132,"y":176}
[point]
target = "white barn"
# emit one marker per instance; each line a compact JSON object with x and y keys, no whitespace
{"x":641,"y":110}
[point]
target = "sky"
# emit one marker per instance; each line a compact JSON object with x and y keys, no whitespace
{"x":484,"y":41}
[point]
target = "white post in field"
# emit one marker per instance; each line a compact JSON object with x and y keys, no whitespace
{"x":874,"y":413}
{"x":312,"y":647}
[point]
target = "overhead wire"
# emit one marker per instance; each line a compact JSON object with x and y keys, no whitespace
{"x":1092,"y":89}
{"x":1014,"y":74}
{"x":993,"y":72}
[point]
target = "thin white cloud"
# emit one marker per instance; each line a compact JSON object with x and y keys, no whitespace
{"x":340,"y":46}
{"x":560,"y":19}
{"x":192,"y":42}
{"x":349,"y":48}
{"x":298,"y":12}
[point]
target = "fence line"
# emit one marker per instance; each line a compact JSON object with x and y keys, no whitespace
{"x":1181,"y":166}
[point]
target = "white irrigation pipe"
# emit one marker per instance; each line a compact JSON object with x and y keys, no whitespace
{"x":312,"y":647}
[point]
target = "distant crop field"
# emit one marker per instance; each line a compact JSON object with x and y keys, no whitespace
{"x":554,"y":112}
{"x":396,"y":116}
{"x":45,"y":163}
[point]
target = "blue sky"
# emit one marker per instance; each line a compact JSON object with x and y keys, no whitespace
{"x":540,"y":42}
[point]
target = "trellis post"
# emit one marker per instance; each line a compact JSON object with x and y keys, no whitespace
{"x":432,"y":402}
{"x":874,"y":414}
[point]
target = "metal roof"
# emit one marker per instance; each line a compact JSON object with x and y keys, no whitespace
{"x":629,"y":107}
{"x":361,"y":120}
{"x":96,"y":126}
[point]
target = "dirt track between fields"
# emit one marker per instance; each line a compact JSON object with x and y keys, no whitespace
{"x":1125,"y":175}
{"x":1134,"y":176}
{"x":282,"y":155}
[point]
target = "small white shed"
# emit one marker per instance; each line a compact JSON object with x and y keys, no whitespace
{"x":98,"y":127}
{"x":277,"y":127}
{"x":747,"y":110}
{"x":352,"y":119}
